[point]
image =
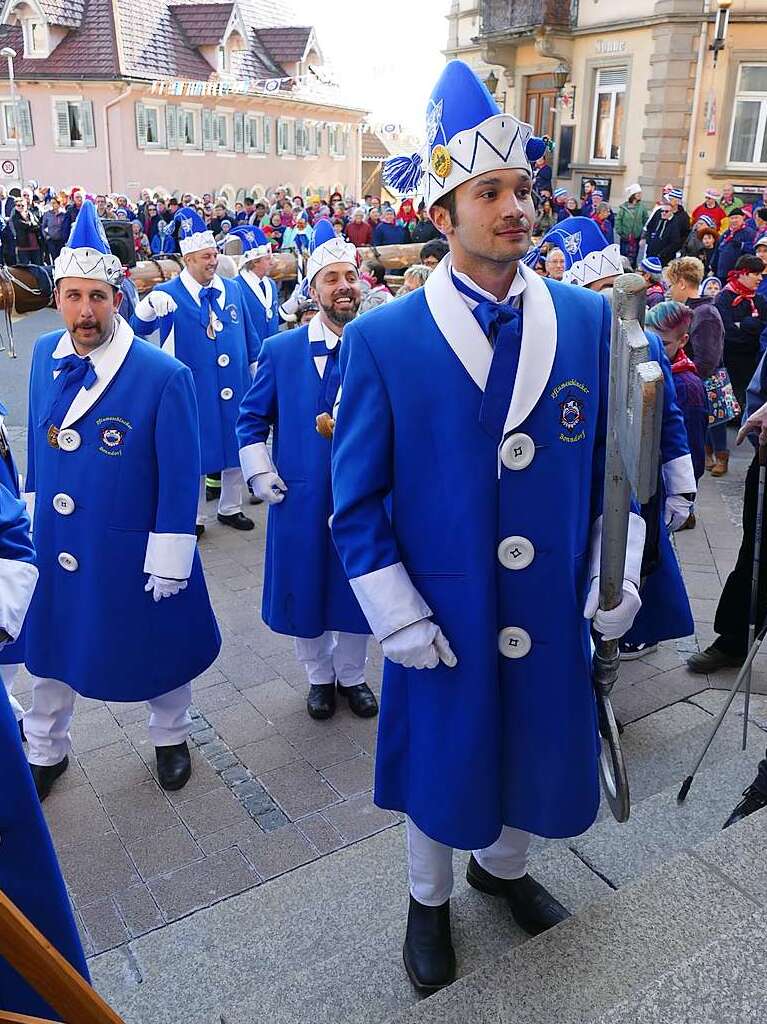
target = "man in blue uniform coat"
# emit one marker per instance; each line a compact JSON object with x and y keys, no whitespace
{"x":12,"y":654}
{"x":306,"y":594}
{"x":665,"y":612}
{"x":29,"y":872}
{"x":203,"y":321}
{"x":114,"y":463}
{"x":259,"y":292}
{"x":468,"y":472}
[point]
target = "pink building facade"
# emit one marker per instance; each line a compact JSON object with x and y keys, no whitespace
{"x":89,"y":111}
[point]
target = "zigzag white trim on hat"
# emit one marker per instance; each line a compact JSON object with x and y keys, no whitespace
{"x":199,"y":240}
{"x":594,"y":266}
{"x":496,"y":143}
{"x":335,"y":250}
{"x":88,"y":263}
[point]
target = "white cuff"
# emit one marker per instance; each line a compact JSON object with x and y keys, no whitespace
{"x":388,"y":600}
{"x":17,"y":585}
{"x":634,"y":549}
{"x":170,"y":555}
{"x":679,"y":477}
{"x":254,"y":459}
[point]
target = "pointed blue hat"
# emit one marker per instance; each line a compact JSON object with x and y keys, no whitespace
{"x":87,"y":253}
{"x":327,"y":247}
{"x":466,"y":135}
{"x":588,"y":255}
{"x":192,"y":233}
{"x":254,"y":242}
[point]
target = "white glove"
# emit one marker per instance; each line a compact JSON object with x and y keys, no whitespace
{"x":155,"y":304}
{"x":268,"y":487}
{"x":614,"y":624}
{"x":677,"y":512}
{"x":419,"y":645}
{"x":164,"y":588}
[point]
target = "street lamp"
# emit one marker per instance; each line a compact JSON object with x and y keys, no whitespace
{"x":491,"y":82}
{"x":561,"y":75}
{"x":10,"y":53}
{"x":720,"y":28}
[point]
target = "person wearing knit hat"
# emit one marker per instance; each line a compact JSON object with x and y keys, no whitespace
{"x":259,"y":292}
{"x":630,"y":220}
{"x":114,"y":464}
{"x":472,"y":413}
{"x":203,"y":321}
{"x":306,"y":594}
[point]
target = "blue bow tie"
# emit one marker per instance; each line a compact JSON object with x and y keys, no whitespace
{"x":502,"y":326}
{"x":207,"y":297}
{"x":76,"y":370}
{"x":331,"y":378}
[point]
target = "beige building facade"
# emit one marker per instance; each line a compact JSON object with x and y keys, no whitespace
{"x":629,"y":89}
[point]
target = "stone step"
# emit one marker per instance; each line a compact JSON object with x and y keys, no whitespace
{"x":324,"y":937}
{"x":685,"y":943}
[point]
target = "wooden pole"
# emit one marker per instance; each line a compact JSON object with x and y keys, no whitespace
{"x":42,"y":966}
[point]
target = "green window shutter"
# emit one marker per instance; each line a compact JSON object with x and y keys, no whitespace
{"x":239,"y":133}
{"x":89,"y":132}
{"x":63,"y":138}
{"x":318,"y":140}
{"x":171,"y":126}
{"x":25,"y":123}
{"x":207,"y":128}
{"x":300,"y":139}
{"x":140,"y":125}
{"x":281,"y":137}
{"x":266,"y":145}
{"x":341,"y":142}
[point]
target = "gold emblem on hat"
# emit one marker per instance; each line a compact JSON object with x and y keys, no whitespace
{"x":441,"y":161}
{"x":53,"y":436}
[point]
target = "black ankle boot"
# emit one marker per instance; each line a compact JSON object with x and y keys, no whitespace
{"x":428,"y":952}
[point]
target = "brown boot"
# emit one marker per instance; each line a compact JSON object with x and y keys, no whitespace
{"x":720,"y":466}
{"x":709,"y":458}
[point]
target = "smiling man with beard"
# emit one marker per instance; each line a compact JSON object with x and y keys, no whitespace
{"x":306,"y":594}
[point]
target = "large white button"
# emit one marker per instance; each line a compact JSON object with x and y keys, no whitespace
{"x":514,"y":642}
{"x":68,"y":562}
{"x":63,"y":504}
{"x":517,"y":451}
{"x":516,"y":552}
{"x":223,"y":359}
{"x":226,"y":393}
{"x":69,"y":440}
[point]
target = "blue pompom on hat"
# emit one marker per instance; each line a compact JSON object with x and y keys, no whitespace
{"x":192,"y":233}
{"x":327,"y":247}
{"x":466,"y":135}
{"x":588,"y":255}
{"x":87,"y":253}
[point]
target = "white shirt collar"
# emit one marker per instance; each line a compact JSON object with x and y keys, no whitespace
{"x":513,"y":295}
{"x":194,"y":287}
{"x":66,"y":347}
{"x":318,"y":331}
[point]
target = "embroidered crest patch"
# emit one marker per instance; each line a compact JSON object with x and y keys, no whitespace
{"x":572,"y":413}
{"x":113,"y":431}
{"x":570,"y":397}
{"x":234,"y":316}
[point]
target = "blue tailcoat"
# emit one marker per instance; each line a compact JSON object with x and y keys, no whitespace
{"x":220,"y":367}
{"x":493,"y":741}
{"x":133,"y":484}
{"x":264,"y":325}
{"x":11,"y":654}
{"x":305,"y":588}
{"x":29,"y":873}
{"x":665,"y":613}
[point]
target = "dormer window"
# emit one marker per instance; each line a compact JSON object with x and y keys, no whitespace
{"x":223,"y":58}
{"x":34,"y":37}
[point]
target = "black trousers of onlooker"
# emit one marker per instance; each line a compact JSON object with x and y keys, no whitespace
{"x":732,"y":613}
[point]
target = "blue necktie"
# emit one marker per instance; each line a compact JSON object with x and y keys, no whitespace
{"x":331,"y":377}
{"x":502,"y":325}
{"x":75,"y":373}
{"x":207,"y":297}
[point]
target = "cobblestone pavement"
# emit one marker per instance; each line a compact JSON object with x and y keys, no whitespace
{"x":271,"y":789}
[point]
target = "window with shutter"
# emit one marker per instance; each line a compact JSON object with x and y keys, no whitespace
{"x":239,"y":132}
{"x":61,"y":124}
{"x":140,"y":125}
{"x":282,"y":136}
{"x":301,"y":146}
{"x":25,"y":123}
{"x":318,"y":140}
{"x":89,"y":131}
{"x":207,"y":129}
{"x":267,"y":137}
{"x":171,"y":126}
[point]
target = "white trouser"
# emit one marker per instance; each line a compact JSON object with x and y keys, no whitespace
{"x":334,"y":656}
{"x":430,"y":864}
{"x":230,"y":499}
{"x":8,"y":675}
{"x":47,"y":722}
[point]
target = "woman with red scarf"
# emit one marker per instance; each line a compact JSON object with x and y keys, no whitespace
{"x":407,"y":216}
{"x":744,"y":315}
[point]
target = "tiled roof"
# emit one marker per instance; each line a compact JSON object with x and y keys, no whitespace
{"x":373,"y":148}
{"x":88,"y":53}
{"x":68,"y":13}
{"x":286,"y":43}
{"x":204,"y":24}
{"x":154,"y":44}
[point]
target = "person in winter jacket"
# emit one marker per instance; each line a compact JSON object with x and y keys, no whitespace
{"x":737,"y":241}
{"x":630,"y":220}
{"x":710,"y":208}
{"x":744,"y":315}
{"x":358,"y":231}
{"x":664,"y":235}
